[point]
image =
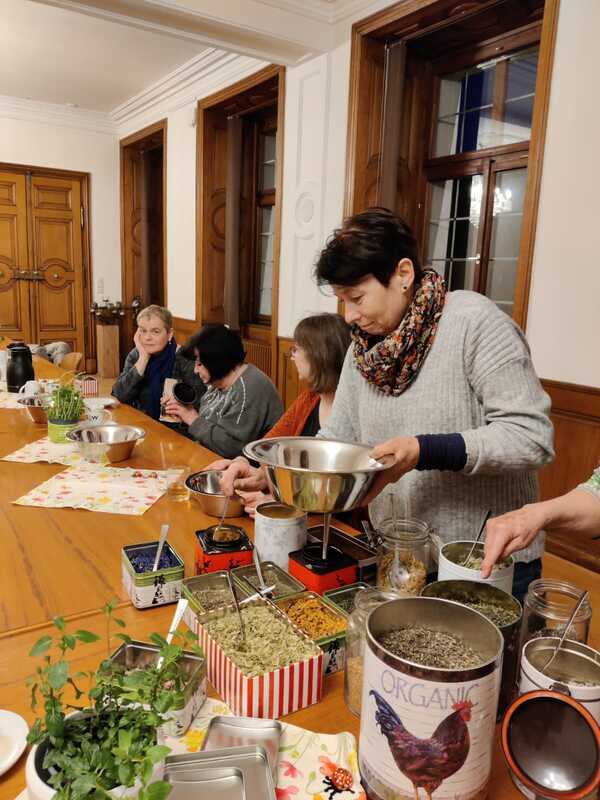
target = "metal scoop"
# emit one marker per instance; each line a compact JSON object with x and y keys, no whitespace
{"x":237,"y":608}
{"x":182,"y":604}
{"x":566,"y":630}
{"x":488,"y":514}
{"x":263,"y":590}
{"x":220,"y":522}
{"x":398,"y":573}
{"x":164,"y":530}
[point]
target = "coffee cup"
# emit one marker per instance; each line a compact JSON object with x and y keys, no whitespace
{"x":30,"y":388}
{"x":184,"y":393}
{"x":96,"y":413}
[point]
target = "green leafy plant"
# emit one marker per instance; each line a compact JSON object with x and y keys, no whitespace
{"x":114,"y":740}
{"x":66,"y":403}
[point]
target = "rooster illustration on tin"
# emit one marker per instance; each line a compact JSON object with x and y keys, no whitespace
{"x":427,"y":763}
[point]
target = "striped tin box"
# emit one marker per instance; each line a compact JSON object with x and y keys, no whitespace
{"x":271,"y":695}
{"x":87,"y":385}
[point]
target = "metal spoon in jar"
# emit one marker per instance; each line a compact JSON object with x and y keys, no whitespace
{"x":237,"y":608}
{"x":398,"y":572}
{"x":164,"y":530}
{"x":182,"y":604}
{"x":566,"y":630}
{"x":488,"y":514}
{"x":263,"y":588}
{"x":220,"y":523}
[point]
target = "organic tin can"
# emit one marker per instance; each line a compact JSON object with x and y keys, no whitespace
{"x":575,"y":669}
{"x":278,"y":530}
{"x":446,"y":715}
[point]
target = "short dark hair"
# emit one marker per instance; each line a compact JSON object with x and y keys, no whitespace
{"x":218,"y":348}
{"x":325,"y":338}
{"x":369,"y":243}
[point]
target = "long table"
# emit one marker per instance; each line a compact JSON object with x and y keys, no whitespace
{"x":67,"y":562}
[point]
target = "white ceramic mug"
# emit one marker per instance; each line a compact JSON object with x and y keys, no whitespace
{"x":30,"y":388}
{"x":48,"y":385}
{"x":96,"y":413}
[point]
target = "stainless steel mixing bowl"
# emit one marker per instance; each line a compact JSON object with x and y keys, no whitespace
{"x":205,"y":488}
{"x":113,"y":440}
{"x":317,"y":475}
{"x":35,"y":409}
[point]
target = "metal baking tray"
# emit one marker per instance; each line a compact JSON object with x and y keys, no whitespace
{"x":222,"y":783}
{"x":225,"y":732}
{"x":252,"y":761}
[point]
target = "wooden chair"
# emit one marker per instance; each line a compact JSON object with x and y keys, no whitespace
{"x":71,"y":362}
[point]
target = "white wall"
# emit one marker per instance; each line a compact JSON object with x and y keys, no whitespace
{"x":42,"y":144}
{"x":563,"y":326}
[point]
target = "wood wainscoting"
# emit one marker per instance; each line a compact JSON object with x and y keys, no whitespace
{"x":576,"y":418}
{"x":184,"y":328}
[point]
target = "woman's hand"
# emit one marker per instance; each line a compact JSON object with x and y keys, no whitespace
{"x":405,"y":450}
{"x":241,"y":477}
{"x":186,"y":414}
{"x":143,"y":354}
{"x":220,"y":464}
{"x":510,"y":532}
{"x":254,"y":499}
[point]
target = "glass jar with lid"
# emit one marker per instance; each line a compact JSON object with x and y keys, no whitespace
{"x":547,"y":608}
{"x":403,"y":555}
{"x":364,"y":602}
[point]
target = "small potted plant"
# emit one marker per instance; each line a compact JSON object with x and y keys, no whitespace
{"x":64,"y":412}
{"x":108,"y":748}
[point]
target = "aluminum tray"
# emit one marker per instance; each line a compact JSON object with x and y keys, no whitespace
{"x":218,"y":784}
{"x":252,"y":761}
{"x":226,"y":732}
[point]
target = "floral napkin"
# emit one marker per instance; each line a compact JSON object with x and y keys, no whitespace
{"x":312,"y":766}
{"x":113,"y":490}
{"x":45,"y":450}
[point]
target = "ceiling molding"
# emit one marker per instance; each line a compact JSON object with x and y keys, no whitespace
{"x":164,"y":16}
{"x":54,"y":114}
{"x":198,"y":78}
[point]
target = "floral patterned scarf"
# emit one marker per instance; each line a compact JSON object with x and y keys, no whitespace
{"x":391,"y":364}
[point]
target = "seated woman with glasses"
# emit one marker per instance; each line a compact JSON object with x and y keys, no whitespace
{"x":154,"y":358}
{"x":320,"y":345}
{"x":241,"y":403}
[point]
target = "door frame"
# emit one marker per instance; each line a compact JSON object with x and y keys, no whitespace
{"x":89,"y":330}
{"x":134,"y":138}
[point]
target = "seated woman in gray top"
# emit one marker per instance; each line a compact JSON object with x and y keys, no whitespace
{"x":241,"y":403}
{"x":443,"y":380}
{"x":154,"y":358}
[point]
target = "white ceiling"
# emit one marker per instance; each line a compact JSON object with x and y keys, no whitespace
{"x":58,"y":56}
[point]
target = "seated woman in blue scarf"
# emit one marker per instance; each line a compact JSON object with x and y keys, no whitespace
{"x":154,"y":358}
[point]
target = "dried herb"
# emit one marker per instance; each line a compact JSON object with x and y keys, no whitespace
{"x":354,"y":682}
{"x":312,"y":617}
{"x":272,"y":578}
{"x":475,"y":562}
{"x":402,"y":571}
{"x":212,"y":598}
{"x":497,"y":613}
{"x":430,"y":648}
{"x":271,"y":642}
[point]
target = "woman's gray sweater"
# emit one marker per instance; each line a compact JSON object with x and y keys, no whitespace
{"x":477,"y":380}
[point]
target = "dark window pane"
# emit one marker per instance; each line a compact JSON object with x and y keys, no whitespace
{"x":522,"y":71}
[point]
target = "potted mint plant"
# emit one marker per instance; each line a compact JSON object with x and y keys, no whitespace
{"x":64,"y":412}
{"x":109,"y":747}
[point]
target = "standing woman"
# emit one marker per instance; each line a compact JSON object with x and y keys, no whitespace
{"x":154,"y":358}
{"x":442,"y":380}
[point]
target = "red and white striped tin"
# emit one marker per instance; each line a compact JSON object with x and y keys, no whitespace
{"x":271,"y":695}
{"x":87,"y":385}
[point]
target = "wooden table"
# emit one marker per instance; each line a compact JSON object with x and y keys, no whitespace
{"x":64,"y":561}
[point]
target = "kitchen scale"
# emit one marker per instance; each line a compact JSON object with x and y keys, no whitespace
{"x":222,"y":547}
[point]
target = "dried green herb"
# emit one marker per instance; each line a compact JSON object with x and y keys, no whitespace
{"x":430,"y":648}
{"x":495,"y":612}
{"x":271,"y":642}
{"x":212,"y":598}
{"x":475,"y":562}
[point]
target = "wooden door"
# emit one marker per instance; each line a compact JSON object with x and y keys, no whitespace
{"x":14,"y":259}
{"x":57,"y":261}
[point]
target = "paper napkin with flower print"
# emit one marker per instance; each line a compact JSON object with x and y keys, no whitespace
{"x":311,"y":766}
{"x":112,"y":490}
{"x":45,"y":450}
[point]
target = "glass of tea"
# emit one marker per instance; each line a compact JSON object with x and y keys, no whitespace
{"x":176,"y":477}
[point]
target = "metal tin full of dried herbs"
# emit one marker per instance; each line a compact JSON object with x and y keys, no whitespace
{"x":285,"y":585}
{"x":145,"y":587}
{"x":344,"y":597}
{"x":272,"y":643}
{"x":500,"y":608}
{"x":322,"y":623}
{"x":206,"y":593}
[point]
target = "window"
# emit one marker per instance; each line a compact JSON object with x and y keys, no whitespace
{"x":265,"y":202}
{"x":477,"y":173}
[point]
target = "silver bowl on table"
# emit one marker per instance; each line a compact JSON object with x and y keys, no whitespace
{"x":35,"y":408}
{"x":317,"y":475}
{"x":205,"y":488}
{"x":112,"y":440}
